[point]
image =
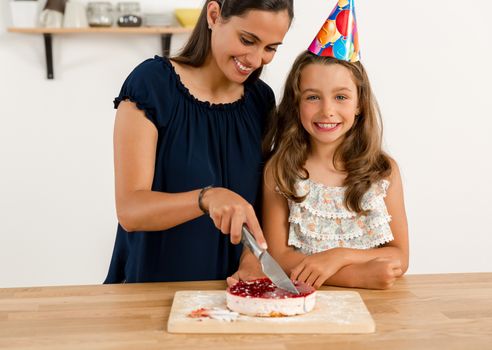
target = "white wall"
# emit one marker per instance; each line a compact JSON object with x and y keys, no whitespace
{"x":428,"y":62}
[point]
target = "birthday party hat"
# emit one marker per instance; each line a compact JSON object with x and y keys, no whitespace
{"x":338,"y":36}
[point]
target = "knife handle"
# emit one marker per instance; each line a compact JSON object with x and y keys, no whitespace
{"x":249,"y":241}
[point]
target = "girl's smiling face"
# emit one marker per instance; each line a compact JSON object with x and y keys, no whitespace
{"x":242,"y":44}
{"x":328,"y":103}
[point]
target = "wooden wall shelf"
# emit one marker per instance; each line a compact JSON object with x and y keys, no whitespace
{"x":165,"y":33}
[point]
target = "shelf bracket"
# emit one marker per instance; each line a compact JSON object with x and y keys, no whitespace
{"x":48,"y":48}
{"x":166,"y":44}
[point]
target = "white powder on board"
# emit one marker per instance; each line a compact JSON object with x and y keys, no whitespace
{"x":331,"y":307}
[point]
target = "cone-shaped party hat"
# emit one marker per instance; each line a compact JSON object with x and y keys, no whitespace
{"x":338,"y":36}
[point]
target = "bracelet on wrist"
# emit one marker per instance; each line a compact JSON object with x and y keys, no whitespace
{"x":200,"y":198}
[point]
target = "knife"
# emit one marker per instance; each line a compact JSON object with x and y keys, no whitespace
{"x":269,"y":266}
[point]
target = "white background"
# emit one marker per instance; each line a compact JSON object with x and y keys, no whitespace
{"x":429,"y":66}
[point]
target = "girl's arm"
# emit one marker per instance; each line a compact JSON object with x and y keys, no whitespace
{"x":141,"y":209}
{"x":398,"y":248}
{"x":379,"y":273}
{"x":275,"y":218}
{"x":365,"y":268}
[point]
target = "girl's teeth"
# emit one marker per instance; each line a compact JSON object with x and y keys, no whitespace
{"x":326,"y":126}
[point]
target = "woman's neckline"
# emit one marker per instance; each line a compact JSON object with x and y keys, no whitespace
{"x":228,"y":105}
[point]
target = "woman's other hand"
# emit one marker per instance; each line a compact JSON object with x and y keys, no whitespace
{"x":230,"y":211}
{"x":249,"y":269}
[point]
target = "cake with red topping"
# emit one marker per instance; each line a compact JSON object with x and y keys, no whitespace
{"x":263,"y":298}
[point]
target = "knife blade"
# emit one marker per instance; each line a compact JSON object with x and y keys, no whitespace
{"x":268,"y":264}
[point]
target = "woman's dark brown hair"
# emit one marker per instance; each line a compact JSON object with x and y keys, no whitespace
{"x":198,"y":46}
{"x":360,"y":155}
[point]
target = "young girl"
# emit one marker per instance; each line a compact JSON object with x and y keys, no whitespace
{"x":333,"y":210}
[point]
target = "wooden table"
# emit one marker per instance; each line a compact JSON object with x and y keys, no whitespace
{"x":445,"y":312}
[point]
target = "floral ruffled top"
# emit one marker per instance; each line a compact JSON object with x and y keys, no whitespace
{"x":322,"y":221}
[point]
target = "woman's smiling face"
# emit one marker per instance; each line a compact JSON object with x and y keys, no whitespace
{"x":242,"y":44}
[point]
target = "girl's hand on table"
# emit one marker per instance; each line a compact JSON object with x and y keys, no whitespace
{"x":380,"y":273}
{"x":317,"y":268}
{"x":230,"y":211}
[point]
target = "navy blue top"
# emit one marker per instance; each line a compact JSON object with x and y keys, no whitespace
{"x":199,"y":144}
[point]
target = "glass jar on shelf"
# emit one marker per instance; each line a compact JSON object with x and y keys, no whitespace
{"x":100,"y":14}
{"x":129,"y":14}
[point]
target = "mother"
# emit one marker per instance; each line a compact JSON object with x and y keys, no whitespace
{"x":187,"y":141}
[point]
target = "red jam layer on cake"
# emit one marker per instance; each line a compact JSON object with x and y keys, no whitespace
{"x":264,"y":288}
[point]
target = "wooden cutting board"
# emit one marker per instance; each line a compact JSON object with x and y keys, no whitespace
{"x":335,"y":312}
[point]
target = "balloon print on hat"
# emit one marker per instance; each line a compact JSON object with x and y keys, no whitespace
{"x":338,"y":36}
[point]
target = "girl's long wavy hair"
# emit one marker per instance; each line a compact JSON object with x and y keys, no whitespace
{"x":198,"y":47}
{"x":360,"y":155}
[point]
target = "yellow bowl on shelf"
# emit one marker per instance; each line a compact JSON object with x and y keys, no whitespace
{"x":187,"y":17}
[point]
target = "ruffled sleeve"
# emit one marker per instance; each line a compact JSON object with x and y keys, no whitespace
{"x":149,"y":86}
{"x":322,"y":221}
